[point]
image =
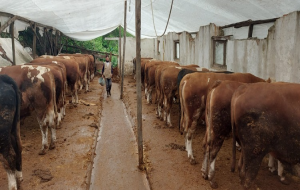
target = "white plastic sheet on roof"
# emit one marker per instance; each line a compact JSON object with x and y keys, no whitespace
{"x":88,"y":19}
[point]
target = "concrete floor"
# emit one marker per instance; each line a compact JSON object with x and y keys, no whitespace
{"x":116,"y":160}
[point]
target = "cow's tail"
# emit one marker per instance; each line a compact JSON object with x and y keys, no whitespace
{"x":9,"y":80}
{"x":233,"y":135}
{"x":16,"y":121}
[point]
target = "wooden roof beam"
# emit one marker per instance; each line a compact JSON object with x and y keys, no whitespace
{"x":25,"y":20}
{"x":11,"y":20}
{"x":248,"y":23}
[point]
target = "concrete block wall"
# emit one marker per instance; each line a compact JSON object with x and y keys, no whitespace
{"x":276,"y":57}
{"x":204,"y":45}
{"x":147,"y":50}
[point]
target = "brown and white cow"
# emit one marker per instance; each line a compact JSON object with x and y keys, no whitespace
{"x":150,"y":80}
{"x":149,"y":74}
{"x":169,"y":88}
{"x":73,"y":73}
{"x":90,"y":66}
{"x":218,"y":124}
{"x":143,"y":61}
{"x":83,"y":63}
{"x":10,"y":140}
{"x":158,"y":94}
{"x":58,"y":70}
{"x":193,"y":90}
{"x":37,"y":86}
{"x":265,"y":119}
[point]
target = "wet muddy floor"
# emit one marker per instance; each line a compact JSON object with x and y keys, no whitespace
{"x":68,"y":166}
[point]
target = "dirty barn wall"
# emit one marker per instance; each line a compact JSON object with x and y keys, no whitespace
{"x":276,"y":57}
{"x":204,"y":45}
{"x":147,"y":50}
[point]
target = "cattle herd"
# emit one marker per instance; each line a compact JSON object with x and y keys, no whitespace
{"x":40,"y":87}
{"x":263,"y":117}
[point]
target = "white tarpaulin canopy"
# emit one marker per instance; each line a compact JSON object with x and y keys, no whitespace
{"x":88,"y":19}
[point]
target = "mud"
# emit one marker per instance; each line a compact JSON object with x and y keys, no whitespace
{"x":68,"y":166}
{"x":166,"y":161}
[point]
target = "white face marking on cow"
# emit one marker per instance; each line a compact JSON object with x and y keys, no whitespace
{"x":0,"y":69}
{"x":54,"y":62}
{"x":208,"y":80}
{"x":178,"y":67}
{"x":12,"y":182}
{"x":199,"y":69}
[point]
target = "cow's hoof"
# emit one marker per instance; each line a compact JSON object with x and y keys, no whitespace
{"x":204,"y":176}
{"x":52,"y":146}
{"x":273,"y":172}
{"x":285,"y":182}
{"x":214,"y":185}
{"x":161,"y":119}
{"x":42,"y":152}
{"x":193,"y":162}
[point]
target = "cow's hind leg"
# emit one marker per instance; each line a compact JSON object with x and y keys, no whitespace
{"x":188,"y":145}
{"x":44,"y":130}
{"x":16,"y":143}
{"x":8,"y":158}
{"x":251,"y":166}
{"x":216,"y":145}
{"x":271,"y":164}
{"x":168,"y":111}
{"x":280,"y":174}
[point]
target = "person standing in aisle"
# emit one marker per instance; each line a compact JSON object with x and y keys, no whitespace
{"x":107,"y":71}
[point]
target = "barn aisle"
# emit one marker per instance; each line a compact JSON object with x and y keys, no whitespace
{"x":115,"y":163}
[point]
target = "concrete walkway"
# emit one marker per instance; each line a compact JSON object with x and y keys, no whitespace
{"x":115,"y":164}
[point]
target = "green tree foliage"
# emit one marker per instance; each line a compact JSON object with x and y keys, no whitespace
{"x":100,"y":44}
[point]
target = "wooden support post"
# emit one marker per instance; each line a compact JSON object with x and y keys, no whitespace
{"x":45,"y":40}
{"x":124,"y":44}
{"x":34,"y":41}
{"x":12,"y":33}
{"x":120,"y":49}
{"x":51,"y":41}
{"x":55,"y":42}
{"x":138,"y":81}
{"x":250,"y":31}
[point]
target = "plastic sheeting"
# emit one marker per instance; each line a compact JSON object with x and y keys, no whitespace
{"x":85,"y":20}
{"x":22,"y":55}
